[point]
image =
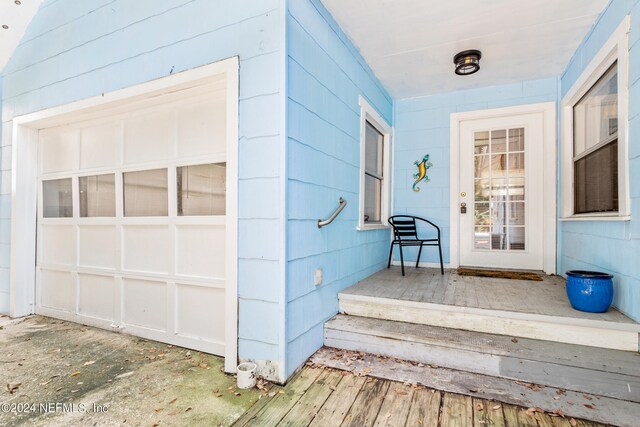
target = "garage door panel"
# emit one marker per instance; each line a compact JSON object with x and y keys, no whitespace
{"x":145,"y":303}
{"x":146,"y":248}
{"x":96,"y":296}
{"x":57,"y":290}
{"x":149,"y":137}
{"x":99,"y":145}
{"x":59,"y":149}
{"x":98,"y":246}
{"x":200,"y":251}
{"x":202,"y":128}
{"x":200,"y":312}
{"x":132,"y":220}
{"x":58,"y":245}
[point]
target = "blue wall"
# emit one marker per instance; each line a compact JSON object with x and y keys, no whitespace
{"x":78,"y":49}
{"x":325,"y":77}
{"x":611,"y":246}
{"x":422,"y":127}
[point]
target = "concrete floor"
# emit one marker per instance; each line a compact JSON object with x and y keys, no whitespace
{"x":135,"y":381}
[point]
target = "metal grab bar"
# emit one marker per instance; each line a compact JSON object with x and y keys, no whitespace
{"x":333,"y":216}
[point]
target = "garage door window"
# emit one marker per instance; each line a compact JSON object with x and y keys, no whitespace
{"x":57,"y":198}
{"x":98,"y":195}
{"x":145,"y":193}
{"x":201,"y":189}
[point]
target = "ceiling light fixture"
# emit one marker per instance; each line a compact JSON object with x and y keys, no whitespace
{"x":18,"y":2}
{"x":6,"y":27}
{"x":467,"y":62}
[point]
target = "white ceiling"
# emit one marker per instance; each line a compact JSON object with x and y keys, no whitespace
{"x":410,"y":44}
{"x":16,"y":17}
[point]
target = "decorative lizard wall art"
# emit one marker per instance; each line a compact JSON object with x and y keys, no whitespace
{"x":423,"y":166}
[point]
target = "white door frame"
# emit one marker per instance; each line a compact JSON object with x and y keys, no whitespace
{"x":24,"y":191}
{"x":548,"y":110}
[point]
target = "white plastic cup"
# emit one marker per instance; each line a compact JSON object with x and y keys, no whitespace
{"x":246,"y":377}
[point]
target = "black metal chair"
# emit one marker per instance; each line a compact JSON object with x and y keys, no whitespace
{"x":405,"y":233}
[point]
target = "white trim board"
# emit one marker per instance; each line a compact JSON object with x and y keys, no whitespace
{"x":24,"y":191}
{"x":594,"y":333}
{"x":548,"y":110}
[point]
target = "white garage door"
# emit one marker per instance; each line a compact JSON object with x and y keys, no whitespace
{"x":131,"y":218}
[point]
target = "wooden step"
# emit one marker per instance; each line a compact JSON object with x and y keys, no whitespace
{"x":587,"y":332}
{"x":553,"y":400}
{"x":598,"y":371}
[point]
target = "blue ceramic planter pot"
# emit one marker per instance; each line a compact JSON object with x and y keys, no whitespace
{"x":590,"y":291}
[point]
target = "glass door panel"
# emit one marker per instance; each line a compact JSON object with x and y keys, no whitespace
{"x":499,"y":190}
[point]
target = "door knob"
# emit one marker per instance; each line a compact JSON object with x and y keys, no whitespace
{"x":463,"y":208}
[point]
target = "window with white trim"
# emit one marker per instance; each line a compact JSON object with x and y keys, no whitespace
{"x":595,"y":147}
{"x":595,"y":169}
{"x":375,"y":141}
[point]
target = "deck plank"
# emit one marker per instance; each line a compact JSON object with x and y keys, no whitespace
{"x":396,"y":405}
{"x":337,"y":406}
{"x":425,"y":408}
{"x":282,"y":403}
{"x":364,"y":410}
{"x":457,"y":411}
{"x":313,"y":399}
{"x":517,"y":417}
{"x":487,"y":414}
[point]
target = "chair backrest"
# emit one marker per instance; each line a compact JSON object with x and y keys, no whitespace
{"x":404,"y":227}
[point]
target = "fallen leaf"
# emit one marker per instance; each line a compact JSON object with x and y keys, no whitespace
{"x":573,"y":422}
{"x":218,"y":394}
{"x":587,"y":397}
{"x":203,"y":365}
{"x":187,"y":410}
{"x":479,"y":407}
{"x":12,"y":388}
{"x":514,"y":339}
{"x":586,"y":405}
{"x":237,"y":394}
{"x":281,"y":392}
{"x":173,"y":401}
{"x":90,"y":362}
{"x":496,"y":407}
{"x":75,"y":374}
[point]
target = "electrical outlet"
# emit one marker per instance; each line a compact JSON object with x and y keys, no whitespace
{"x":317,"y":277}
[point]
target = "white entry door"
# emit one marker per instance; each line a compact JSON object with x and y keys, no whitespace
{"x":500,"y":204}
{"x":132,"y":218}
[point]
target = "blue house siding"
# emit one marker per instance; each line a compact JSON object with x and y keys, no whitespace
{"x":74,"y":50}
{"x":326,"y":75}
{"x":610,"y":246}
{"x":422,"y":127}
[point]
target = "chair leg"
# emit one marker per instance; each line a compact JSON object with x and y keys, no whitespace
{"x":390,"y":255}
{"x":419,"y":253}
{"x":401,"y":258}
{"x":440,"y":251}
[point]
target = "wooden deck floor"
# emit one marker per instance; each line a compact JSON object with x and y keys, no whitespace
{"x":428,"y":285}
{"x":323,"y":397}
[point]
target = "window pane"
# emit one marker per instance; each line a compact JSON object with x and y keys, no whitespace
{"x":481,"y":238}
{"x":373,"y":150}
{"x":201,"y":189}
{"x":481,"y":142}
{"x":98,"y":195}
{"x":372,"y":199}
{"x":516,"y":164}
{"x":57,"y":198}
{"x":595,"y":116}
{"x":482,"y":166}
{"x":516,"y":238}
{"x":498,"y":141}
{"x":145,"y":193}
{"x":516,"y":139}
{"x":596,"y":180}
{"x":498,"y":237}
